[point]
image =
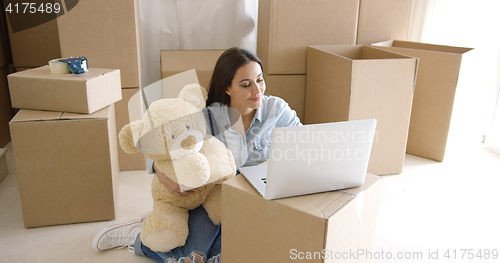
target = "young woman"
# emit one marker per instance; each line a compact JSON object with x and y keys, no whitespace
{"x":244,"y":116}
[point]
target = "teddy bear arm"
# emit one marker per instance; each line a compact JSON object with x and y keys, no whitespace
{"x":220,"y":158}
{"x":126,"y":139}
{"x":213,"y":205}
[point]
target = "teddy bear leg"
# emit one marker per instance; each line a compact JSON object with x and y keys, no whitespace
{"x":166,"y":229}
{"x":213,"y":204}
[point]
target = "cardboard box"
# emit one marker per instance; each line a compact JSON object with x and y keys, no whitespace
{"x":380,"y":20}
{"x":107,"y":33}
{"x":177,"y":61}
{"x":438,"y":71}
{"x":67,"y":166}
{"x":286,"y":28}
{"x":6,"y":110}
{"x":34,"y":47}
{"x":4,"y":170}
{"x":259,"y":230}
{"x":80,"y":93}
{"x":291,"y":88}
{"x":128,"y":162}
{"x":353,"y":82}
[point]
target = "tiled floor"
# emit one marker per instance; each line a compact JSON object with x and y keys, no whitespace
{"x":430,"y":207}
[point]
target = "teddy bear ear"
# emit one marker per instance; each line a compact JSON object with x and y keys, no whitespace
{"x":195,"y":94}
{"x":126,"y":140}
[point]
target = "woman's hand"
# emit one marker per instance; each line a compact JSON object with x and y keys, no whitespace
{"x":170,"y":184}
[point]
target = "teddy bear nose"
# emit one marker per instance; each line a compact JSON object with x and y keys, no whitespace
{"x":189,"y":143}
{"x":186,"y":143}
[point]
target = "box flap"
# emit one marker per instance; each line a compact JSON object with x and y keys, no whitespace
{"x":358,"y":52}
{"x":38,"y":115}
{"x":387,"y":43}
{"x":369,"y":52}
{"x":44,"y":73}
{"x":429,"y":47}
{"x":2,"y":152}
{"x":322,"y":205}
{"x":35,"y":115}
{"x":100,"y":114}
{"x":369,"y":181}
{"x":399,"y":44}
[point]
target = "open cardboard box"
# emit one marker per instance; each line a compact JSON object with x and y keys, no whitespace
{"x":67,"y":166}
{"x":354,"y":82}
{"x":89,"y":92}
{"x":259,"y":230}
{"x":438,"y":71}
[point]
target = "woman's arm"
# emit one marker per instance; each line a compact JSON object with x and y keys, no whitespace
{"x":170,"y":184}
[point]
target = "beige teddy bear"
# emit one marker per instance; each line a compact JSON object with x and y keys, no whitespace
{"x":173,"y":133}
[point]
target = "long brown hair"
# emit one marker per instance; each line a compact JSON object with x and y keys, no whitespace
{"x":224,"y":71}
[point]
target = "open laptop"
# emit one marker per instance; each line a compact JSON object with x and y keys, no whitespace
{"x":314,"y":158}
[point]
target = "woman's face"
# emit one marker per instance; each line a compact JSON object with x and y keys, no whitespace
{"x":247,"y":88}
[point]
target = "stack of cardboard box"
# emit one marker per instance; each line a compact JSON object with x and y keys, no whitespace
{"x":65,"y":145}
{"x":107,"y":33}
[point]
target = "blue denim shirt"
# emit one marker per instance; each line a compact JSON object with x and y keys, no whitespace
{"x":253,"y":147}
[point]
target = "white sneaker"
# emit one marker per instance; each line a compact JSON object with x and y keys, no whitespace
{"x":117,"y":236}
